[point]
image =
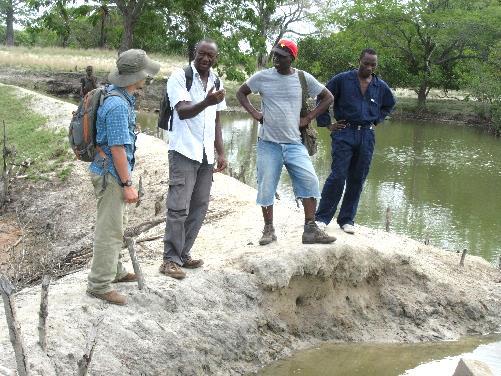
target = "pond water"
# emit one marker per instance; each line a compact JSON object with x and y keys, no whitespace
{"x":424,"y":359}
{"x":440,"y":182}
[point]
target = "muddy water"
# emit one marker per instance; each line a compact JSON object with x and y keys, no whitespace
{"x":440,"y":182}
{"x":425,"y":359}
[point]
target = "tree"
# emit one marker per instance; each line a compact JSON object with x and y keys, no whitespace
{"x":10,"y":11}
{"x":101,"y":14}
{"x":429,"y":37}
{"x":483,"y":80}
{"x":131,"y":11}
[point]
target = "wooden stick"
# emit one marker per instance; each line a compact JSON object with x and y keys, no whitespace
{"x":6,"y":290}
{"x":461,"y":263}
{"x":135,"y":263}
{"x":143,"y":227}
{"x":83,"y":364}
{"x":499,"y":262}
{"x":388,"y":219}
{"x":149,"y":239}
{"x":43,"y":313}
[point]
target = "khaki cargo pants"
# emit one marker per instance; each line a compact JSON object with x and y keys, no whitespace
{"x":108,"y":235}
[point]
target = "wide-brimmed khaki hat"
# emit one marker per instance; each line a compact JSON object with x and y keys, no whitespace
{"x":133,"y":66}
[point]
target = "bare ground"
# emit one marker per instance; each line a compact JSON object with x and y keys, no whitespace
{"x":249,"y":305}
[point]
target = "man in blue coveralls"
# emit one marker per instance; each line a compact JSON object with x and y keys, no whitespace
{"x":361,"y":101}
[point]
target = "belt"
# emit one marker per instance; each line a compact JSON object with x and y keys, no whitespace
{"x":360,"y":126}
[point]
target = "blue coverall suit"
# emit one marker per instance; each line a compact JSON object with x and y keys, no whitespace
{"x":353,"y":146}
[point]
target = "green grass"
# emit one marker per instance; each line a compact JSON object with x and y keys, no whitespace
{"x":47,"y":150}
{"x":446,"y":108}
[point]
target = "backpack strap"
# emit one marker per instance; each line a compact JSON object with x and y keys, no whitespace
{"x":188,"y":74}
{"x":217,"y":82}
{"x":114,"y":93}
{"x":304,"y":92}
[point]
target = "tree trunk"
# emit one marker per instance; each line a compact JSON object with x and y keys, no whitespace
{"x":102,"y":33}
{"x":422,"y":94}
{"x":9,"y":19}
{"x":262,"y":60}
{"x":130,"y":13}
{"x":128,"y":35}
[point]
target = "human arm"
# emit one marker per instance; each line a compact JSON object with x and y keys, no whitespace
{"x":387,"y":103}
{"x":324,"y":118}
{"x":118,"y":136}
{"x":242,"y":96}
{"x":187,"y":109}
{"x":121,"y":164}
{"x":221,"y":162}
{"x":82,"y":84}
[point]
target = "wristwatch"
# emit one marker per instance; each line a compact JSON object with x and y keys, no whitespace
{"x":128,"y":183}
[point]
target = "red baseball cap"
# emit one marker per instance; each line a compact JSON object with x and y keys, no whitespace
{"x":286,"y":47}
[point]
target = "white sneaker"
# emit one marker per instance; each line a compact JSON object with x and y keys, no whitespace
{"x":349,"y":229}
{"x":321,"y":225}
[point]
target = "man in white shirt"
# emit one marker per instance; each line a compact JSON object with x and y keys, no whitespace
{"x":195,"y":133}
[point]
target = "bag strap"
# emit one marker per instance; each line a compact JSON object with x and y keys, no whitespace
{"x":304,"y":90}
{"x":188,"y":74}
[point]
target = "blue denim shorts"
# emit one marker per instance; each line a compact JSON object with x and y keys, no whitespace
{"x":271,"y":157}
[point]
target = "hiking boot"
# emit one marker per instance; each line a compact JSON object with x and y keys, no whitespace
{"x":268,"y":235}
{"x":172,"y":269}
{"x":113,"y":297}
{"x":129,"y":277}
{"x":190,"y":263}
{"x":349,"y":229}
{"x":322,"y":226}
{"x":313,"y":234}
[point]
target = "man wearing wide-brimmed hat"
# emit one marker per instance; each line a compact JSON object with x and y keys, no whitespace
{"x":111,"y":172}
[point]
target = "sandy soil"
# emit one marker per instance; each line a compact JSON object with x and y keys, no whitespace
{"x":249,"y":305}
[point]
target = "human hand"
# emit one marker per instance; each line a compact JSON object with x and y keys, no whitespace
{"x":338,"y":125}
{"x":304,"y":121}
{"x":221,"y":163}
{"x":214,"y":97}
{"x":258,"y":116}
{"x":130,"y":195}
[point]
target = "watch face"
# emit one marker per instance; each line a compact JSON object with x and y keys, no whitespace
{"x":128,"y":183}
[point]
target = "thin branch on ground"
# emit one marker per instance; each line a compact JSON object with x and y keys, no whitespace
{"x":7,"y":290}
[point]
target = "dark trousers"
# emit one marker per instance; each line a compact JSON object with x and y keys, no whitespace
{"x":187,"y":203}
{"x":352,"y":151}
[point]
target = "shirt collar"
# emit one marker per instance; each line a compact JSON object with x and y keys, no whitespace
{"x":124,"y":92}
{"x":195,"y":72}
{"x":374,"y":81}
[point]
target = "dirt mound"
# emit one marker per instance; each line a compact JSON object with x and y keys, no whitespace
{"x":249,"y":305}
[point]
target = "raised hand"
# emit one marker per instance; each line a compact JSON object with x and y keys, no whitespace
{"x":214,"y":97}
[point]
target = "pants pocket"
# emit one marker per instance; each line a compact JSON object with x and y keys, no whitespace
{"x":176,"y":198}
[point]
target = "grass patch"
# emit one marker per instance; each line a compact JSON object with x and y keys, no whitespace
{"x":446,"y":108}
{"x":47,"y":151}
{"x":56,"y":59}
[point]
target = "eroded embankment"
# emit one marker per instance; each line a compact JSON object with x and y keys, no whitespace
{"x":249,"y":305}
